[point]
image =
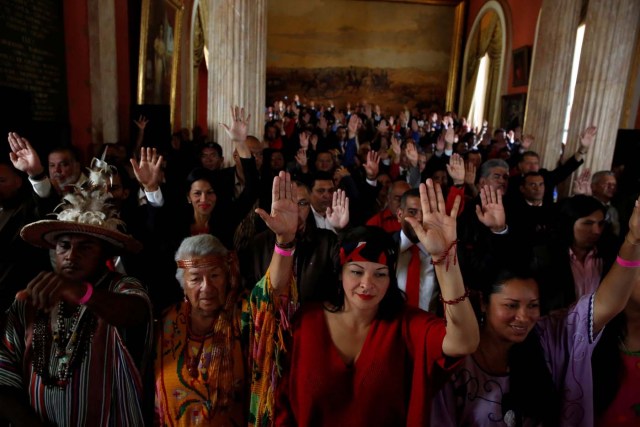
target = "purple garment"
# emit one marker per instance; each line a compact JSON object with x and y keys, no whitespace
{"x":474,"y":397}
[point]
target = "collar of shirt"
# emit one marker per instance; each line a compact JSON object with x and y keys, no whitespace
{"x":405,"y":244}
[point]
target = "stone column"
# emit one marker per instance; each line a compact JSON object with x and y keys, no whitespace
{"x":610,"y":34}
{"x":103,"y":71}
{"x":237,"y":65}
{"x":550,"y":77}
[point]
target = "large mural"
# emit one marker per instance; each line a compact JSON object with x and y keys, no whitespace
{"x":389,"y":53}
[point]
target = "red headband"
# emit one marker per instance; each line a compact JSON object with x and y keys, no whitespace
{"x":357,"y":255}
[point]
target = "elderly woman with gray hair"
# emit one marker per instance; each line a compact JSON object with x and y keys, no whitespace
{"x":220,"y":340}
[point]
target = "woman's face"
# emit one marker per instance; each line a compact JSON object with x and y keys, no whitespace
{"x":512,"y":312}
{"x":588,"y":229}
{"x":202,"y":197}
{"x":364,"y":283}
{"x":206,"y":289}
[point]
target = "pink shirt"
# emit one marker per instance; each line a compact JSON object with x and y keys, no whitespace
{"x":587,"y":275}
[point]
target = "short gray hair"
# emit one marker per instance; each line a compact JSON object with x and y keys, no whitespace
{"x":596,"y":177}
{"x":485,"y":168}
{"x":196,"y":246}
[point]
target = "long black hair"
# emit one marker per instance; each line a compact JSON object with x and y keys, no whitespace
{"x":377,"y":241}
{"x":532,"y":392}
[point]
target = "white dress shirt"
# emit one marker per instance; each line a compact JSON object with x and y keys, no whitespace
{"x":427,"y":273}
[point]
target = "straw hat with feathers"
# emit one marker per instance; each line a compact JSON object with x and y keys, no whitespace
{"x":84,"y":211}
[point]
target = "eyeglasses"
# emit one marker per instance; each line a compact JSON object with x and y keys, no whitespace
{"x":303,"y":203}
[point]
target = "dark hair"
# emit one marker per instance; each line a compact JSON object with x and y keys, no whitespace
{"x":532,"y":392}
{"x":394,"y":299}
{"x":528,"y":174}
{"x":198,"y":174}
{"x":210,"y":144}
{"x":319,"y":176}
{"x":412,"y":192}
{"x":571,"y":209}
{"x":607,"y":366}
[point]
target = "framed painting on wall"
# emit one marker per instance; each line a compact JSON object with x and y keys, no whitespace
{"x":160,"y":31}
{"x":395,"y":53}
{"x":513,"y":109}
{"x":521,"y":59}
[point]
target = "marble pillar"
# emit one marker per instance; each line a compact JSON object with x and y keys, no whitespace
{"x":550,"y":77}
{"x":610,"y":35}
{"x":237,"y":31}
{"x":103,"y":71}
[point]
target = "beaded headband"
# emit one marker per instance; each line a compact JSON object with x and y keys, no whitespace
{"x":362,"y":251}
{"x":204,"y":261}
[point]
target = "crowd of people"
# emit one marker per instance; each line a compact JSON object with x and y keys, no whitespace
{"x":347,"y":267}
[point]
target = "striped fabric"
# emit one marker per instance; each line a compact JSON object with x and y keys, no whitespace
{"x":104,"y":390}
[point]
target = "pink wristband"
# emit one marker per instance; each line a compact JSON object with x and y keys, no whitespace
{"x":87,"y":295}
{"x":629,"y":264}
{"x":283,"y":252}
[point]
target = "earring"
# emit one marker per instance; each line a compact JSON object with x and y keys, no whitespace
{"x":185,"y":298}
{"x":482,"y":319}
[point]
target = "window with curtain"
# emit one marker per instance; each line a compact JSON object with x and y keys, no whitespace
{"x":572,"y":84}
{"x":476,"y":112}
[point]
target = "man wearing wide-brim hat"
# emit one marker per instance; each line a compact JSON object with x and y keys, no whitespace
{"x":76,"y":338}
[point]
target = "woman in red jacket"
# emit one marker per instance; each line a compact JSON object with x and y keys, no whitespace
{"x":363,"y":357}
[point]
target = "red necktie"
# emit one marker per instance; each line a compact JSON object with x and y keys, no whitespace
{"x":413,"y":277}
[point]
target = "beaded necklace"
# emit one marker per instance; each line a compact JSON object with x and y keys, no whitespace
{"x":69,"y":345}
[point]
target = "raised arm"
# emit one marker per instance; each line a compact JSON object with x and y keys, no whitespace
{"x":439,"y":236}
{"x":283,"y":221}
{"x":616,"y":287}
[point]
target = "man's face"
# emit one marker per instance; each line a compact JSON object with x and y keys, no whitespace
{"x":413,"y":209}
{"x":271,"y":133}
{"x":79,"y":257}
{"x":277,"y":161}
{"x":395,"y":195}
{"x":119,"y":194}
{"x":10,"y":183}
{"x":498,"y":178}
{"x":210,"y":159}
{"x":324,"y":162}
{"x":341,"y":134}
{"x":63,"y":169}
{"x":322,"y":195}
{"x":533,"y":189}
{"x":605,"y":188}
{"x":529,"y":164}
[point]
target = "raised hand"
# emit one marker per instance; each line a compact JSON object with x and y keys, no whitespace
{"x":491,"y":211}
{"x":23,"y":156}
{"x":148,"y":171}
{"x":582,"y":183}
{"x":283,"y":219}
{"x":372,"y":166}
{"x":141,"y":123}
{"x":456,"y":170}
{"x":412,"y":154}
{"x":396,"y":148}
{"x":527,"y":141}
{"x":238,"y":129}
{"x":340,"y":173}
{"x":470,"y":174}
{"x":438,"y":230}
{"x":338,"y":213}
{"x":304,"y":140}
{"x":588,"y":137}
{"x":301,"y":158}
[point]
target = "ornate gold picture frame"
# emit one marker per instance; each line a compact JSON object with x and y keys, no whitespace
{"x":160,"y":37}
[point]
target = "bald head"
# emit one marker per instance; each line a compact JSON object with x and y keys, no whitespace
{"x":398,"y":188}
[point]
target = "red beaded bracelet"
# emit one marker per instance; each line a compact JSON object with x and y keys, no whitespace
{"x":457,"y":300}
{"x":445,"y":255}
